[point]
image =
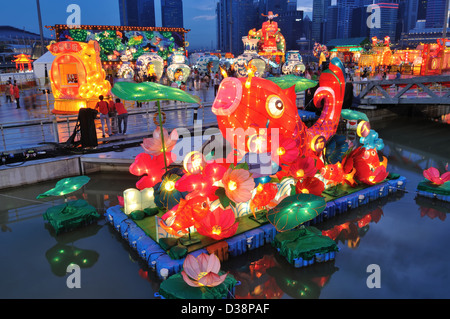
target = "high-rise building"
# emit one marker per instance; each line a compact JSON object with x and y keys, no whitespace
{"x":435,"y":14}
{"x":407,"y":15}
{"x":388,"y":18}
{"x":422,"y":10}
{"x":359,"y":26}
{"x":290,"y":22}
{"x":331,"y":24}
{"x":345,"y":15}
{"x":138,"y":13}
{"x":319,"y":18}
{"x":172,"y":13}
{"x":234,"y":22}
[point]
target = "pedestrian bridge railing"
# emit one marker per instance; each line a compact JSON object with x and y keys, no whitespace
{"x":424,"y":90}
{"x":56,"y":129}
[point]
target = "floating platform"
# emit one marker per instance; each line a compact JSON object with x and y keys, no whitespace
{"x":160,"y":261}
{"x":428,"y":189}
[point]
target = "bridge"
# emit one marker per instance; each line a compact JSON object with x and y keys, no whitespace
{"x":423,"y":90}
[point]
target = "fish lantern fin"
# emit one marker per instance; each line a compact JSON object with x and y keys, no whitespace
{"x":290,"y":93}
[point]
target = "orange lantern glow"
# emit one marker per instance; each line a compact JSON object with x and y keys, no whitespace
{"x":77,"y":77}
{"x":21,"y":60}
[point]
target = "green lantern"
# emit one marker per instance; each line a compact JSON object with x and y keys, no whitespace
{"x":295,"y":210}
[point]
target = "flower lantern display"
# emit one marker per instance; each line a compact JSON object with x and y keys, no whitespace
{"x":202,"y":271}
{"x":178,"y":70}
{"x":212,"y":197}
{"x":77,"y":77}
{"x":433,"y":175}
{"x":435,"y":185}
{"x":218,"y":224}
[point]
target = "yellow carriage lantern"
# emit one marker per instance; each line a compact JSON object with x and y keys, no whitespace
{"x":77,"y":77}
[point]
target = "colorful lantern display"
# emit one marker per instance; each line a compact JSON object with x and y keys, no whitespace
{"x":135,"y":199}
{"x":77,"y":77}
{"x":178,"y":70}
{"x":294,"y":63}
{"x":21,"y":60}
{"x":274,"y":111}
{"x":202,"y":271}
{"x":150,"y":64}
{"x":434,"y":176}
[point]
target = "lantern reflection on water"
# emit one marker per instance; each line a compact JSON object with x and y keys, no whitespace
{"x":77,"y":77}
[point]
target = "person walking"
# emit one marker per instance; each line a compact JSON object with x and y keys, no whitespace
{"x":103,"y":109}
{"x":196,"y":80}
{"x":122,"y":116}
{"x":216,"y":83}
{"x":16,"y":94}
{"x":204,"y":85}
{"x":112,"y":112}
{"x":8,"y":92}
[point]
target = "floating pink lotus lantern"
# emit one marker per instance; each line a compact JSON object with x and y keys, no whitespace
{"x":433,"y":175}
{"x":202,"y":271}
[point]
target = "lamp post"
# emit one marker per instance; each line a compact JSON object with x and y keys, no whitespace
{"x":40,"y":26}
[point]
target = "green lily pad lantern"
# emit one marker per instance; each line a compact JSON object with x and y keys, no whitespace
{"x":151,"y":91}
{"x":295,"y":210}
{"x":71,"y":214}
{"x":287,"y":81}
{"x":66,"y":186}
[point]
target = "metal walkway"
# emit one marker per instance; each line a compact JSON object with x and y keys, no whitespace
{"x":424,"y":90}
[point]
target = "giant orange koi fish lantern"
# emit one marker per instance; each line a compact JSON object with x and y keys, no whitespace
{"x":77,"y":77}
{"x":254,"y":114}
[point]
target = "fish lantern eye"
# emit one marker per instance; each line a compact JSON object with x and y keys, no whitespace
{"x":331,"y":169}
{"x":275,"y":106}
{"x":373,"y":153}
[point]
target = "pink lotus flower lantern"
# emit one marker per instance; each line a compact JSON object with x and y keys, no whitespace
{"x":153,"y":145}
{"x":202,"y":271}
{"x":433,"y":175}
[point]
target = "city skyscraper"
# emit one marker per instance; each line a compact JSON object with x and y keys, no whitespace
{"x":422,"y":10}
{"x":172,"y":13}
{"x":345,"y":15}
{"x":331,"y":24}
{"x":234,"y":22}
{"x":319,"y":18}
{"x":138,"y":13}
{"x":435,"y":14}
{"x":388,"y":25}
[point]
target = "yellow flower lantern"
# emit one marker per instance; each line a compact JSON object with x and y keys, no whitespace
{"x":77,"y":77}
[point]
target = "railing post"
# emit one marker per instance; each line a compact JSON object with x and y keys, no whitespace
{"x":42,"y":130}
{"x":3,"y":137}
{"x":68,"y":125}
{"x":55,"y":129}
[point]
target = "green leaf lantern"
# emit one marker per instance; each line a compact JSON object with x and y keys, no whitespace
{"x":295,"y":210}
{"x":66,"y":186}
{"x":289,"y":80}
{"x":151,"y":91}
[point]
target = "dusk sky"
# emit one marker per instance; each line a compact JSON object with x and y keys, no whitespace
{"x":199,"y":16}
